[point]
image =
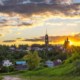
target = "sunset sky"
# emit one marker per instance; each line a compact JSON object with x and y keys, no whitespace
{"x":26,"y":21}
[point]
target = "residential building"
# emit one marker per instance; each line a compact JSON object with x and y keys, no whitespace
{"x":7,"y":63}
{"x":57,"y":62}
{"x":28,"y":48}
{"x":50,"y":63}
{"x":12,"y":48}
{"x":53,"y":63}
{"x":21,"y":65}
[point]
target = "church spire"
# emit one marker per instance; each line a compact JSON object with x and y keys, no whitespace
{"x":46,"y":38}
{"x":46,"y":31}
{"x":67,"y":38}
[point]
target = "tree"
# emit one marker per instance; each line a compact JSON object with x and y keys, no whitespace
{"x":4,"y":69}
{"x":11,"y":69}
{"x":33,"y":60}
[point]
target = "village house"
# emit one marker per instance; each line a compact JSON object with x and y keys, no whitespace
{"x":53,"y":63}
{"x":57,"y":62}
{"x":50,"y":49}
{"x":28,"y":48}
{"x":36,"y":48}
{"x":19,"y":49}
{"x":12,"y":48}
{"x":21,"y":65}
{"x":50,"y":63}
{"x":7,"y":63}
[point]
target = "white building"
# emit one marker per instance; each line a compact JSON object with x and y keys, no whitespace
{"x":7,"y":63}
{"x":50,"y":63}
{"x":12,"y":48}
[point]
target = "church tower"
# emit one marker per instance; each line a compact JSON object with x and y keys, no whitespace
{"x":46,"y":39}
{"x":66,"y":43}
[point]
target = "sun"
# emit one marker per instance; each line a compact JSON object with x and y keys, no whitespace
{"x":71,"y":43}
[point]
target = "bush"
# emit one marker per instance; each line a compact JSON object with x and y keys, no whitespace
{"x":11,"y":69}
{"x":1,"y":78}
{"x":77,"y":65}
{"x":39,"y":68}
{"x":4,"y":69}
{"x":42,"y":64}
{"x":74,"y":57}
{"x":45,"y":66}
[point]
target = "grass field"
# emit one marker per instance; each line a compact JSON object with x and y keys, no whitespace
{"x":49,"y":78}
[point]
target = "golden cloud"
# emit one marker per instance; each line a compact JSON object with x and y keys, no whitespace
{"x":1,"y":34}
{"x":17,"y":33}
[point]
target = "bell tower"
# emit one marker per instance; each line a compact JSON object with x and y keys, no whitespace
{"x":46,"y":39}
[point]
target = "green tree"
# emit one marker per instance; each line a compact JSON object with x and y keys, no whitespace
{"x":11,"y":69}
{"x":4,"y":69}
{"x":33,"y":60}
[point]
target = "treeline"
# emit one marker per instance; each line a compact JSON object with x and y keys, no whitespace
{"x":6,"y":54}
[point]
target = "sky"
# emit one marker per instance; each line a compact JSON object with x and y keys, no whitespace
{"x":26,"y":21}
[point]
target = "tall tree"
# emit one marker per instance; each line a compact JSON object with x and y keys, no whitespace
{"x":33,"y":60}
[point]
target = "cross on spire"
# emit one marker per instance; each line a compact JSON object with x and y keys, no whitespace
{"x":46,"y":31}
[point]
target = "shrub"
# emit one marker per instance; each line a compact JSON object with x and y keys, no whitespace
{"x":1,"y":78}
{"x":42,"y":64}
{"x":39,"y":68}
{"x":4,"y":69}
{"x":74,"y":57}
{"x":77,"y":65}
{"x":45,"y":66}
{"x":11,"y":69}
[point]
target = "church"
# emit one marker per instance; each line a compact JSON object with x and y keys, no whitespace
{"x":66,"y":43}
{"x":46,"y":39}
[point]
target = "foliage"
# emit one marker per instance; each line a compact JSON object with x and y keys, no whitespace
{"x":14,"y":73}
{"x":77,"y":65}
{"x":74,"y":57}
{"x":45,"y":66}
{"x":33,"y":60}
{"x":49,"y":78}
{"x":41,"y":64}
{"x":1,"y":78}
{"x":68,"y":70}
{"x":39,"y":68}
{"x":4,"y":69}
{"x":11,"y":68}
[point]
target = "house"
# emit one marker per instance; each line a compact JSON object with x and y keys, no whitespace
{"x":18,"y":49}
{"x":7,"y":63}
{"x":21,"y":65}
{"x":36,"y":48}
{"x":12,"y":48}
{"x":57,"y":62}
{"x":53,"y":63}
{"x":50,"y":63}
{"x":50,"y":49}
{"x":28,"y":48}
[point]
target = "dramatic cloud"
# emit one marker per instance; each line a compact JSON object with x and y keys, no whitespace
{"x":52,"y":40}
{"x":10,"y":41}
{"x":35,"y":39}
{"x":56,"y":39}
{"x":25,"y":24}
{"x":34,"y":10}
{"x":30,"y":9}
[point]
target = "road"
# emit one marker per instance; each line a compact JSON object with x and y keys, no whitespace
{"x":11,"y":78}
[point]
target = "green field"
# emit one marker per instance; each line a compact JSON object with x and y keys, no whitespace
{"x":49,"y":78}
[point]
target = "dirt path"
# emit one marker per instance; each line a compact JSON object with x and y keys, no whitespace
{"x":11,"y":78}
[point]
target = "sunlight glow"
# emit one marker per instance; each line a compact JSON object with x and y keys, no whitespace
{"x":71,"y":43}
